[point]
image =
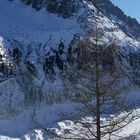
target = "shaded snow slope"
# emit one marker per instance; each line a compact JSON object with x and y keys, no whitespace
{"x":20,"y":21}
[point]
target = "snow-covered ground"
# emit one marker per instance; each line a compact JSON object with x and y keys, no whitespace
{"x":30,"y":125}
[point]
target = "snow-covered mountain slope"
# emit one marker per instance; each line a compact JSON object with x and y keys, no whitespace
{"x":20,"y":21}
{"x":127,"y":24}
{"x":68,"y":8}
{"x":30,"y":39}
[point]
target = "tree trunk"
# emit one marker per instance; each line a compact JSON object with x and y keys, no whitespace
{"x":98,"y":106}
{"x":98,"y":125}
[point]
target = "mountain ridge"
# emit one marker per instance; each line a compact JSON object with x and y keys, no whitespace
{"x":67,"y":8}
{"x":34,"y":43}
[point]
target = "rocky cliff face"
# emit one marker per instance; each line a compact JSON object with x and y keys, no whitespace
{"x":63,"y":8}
